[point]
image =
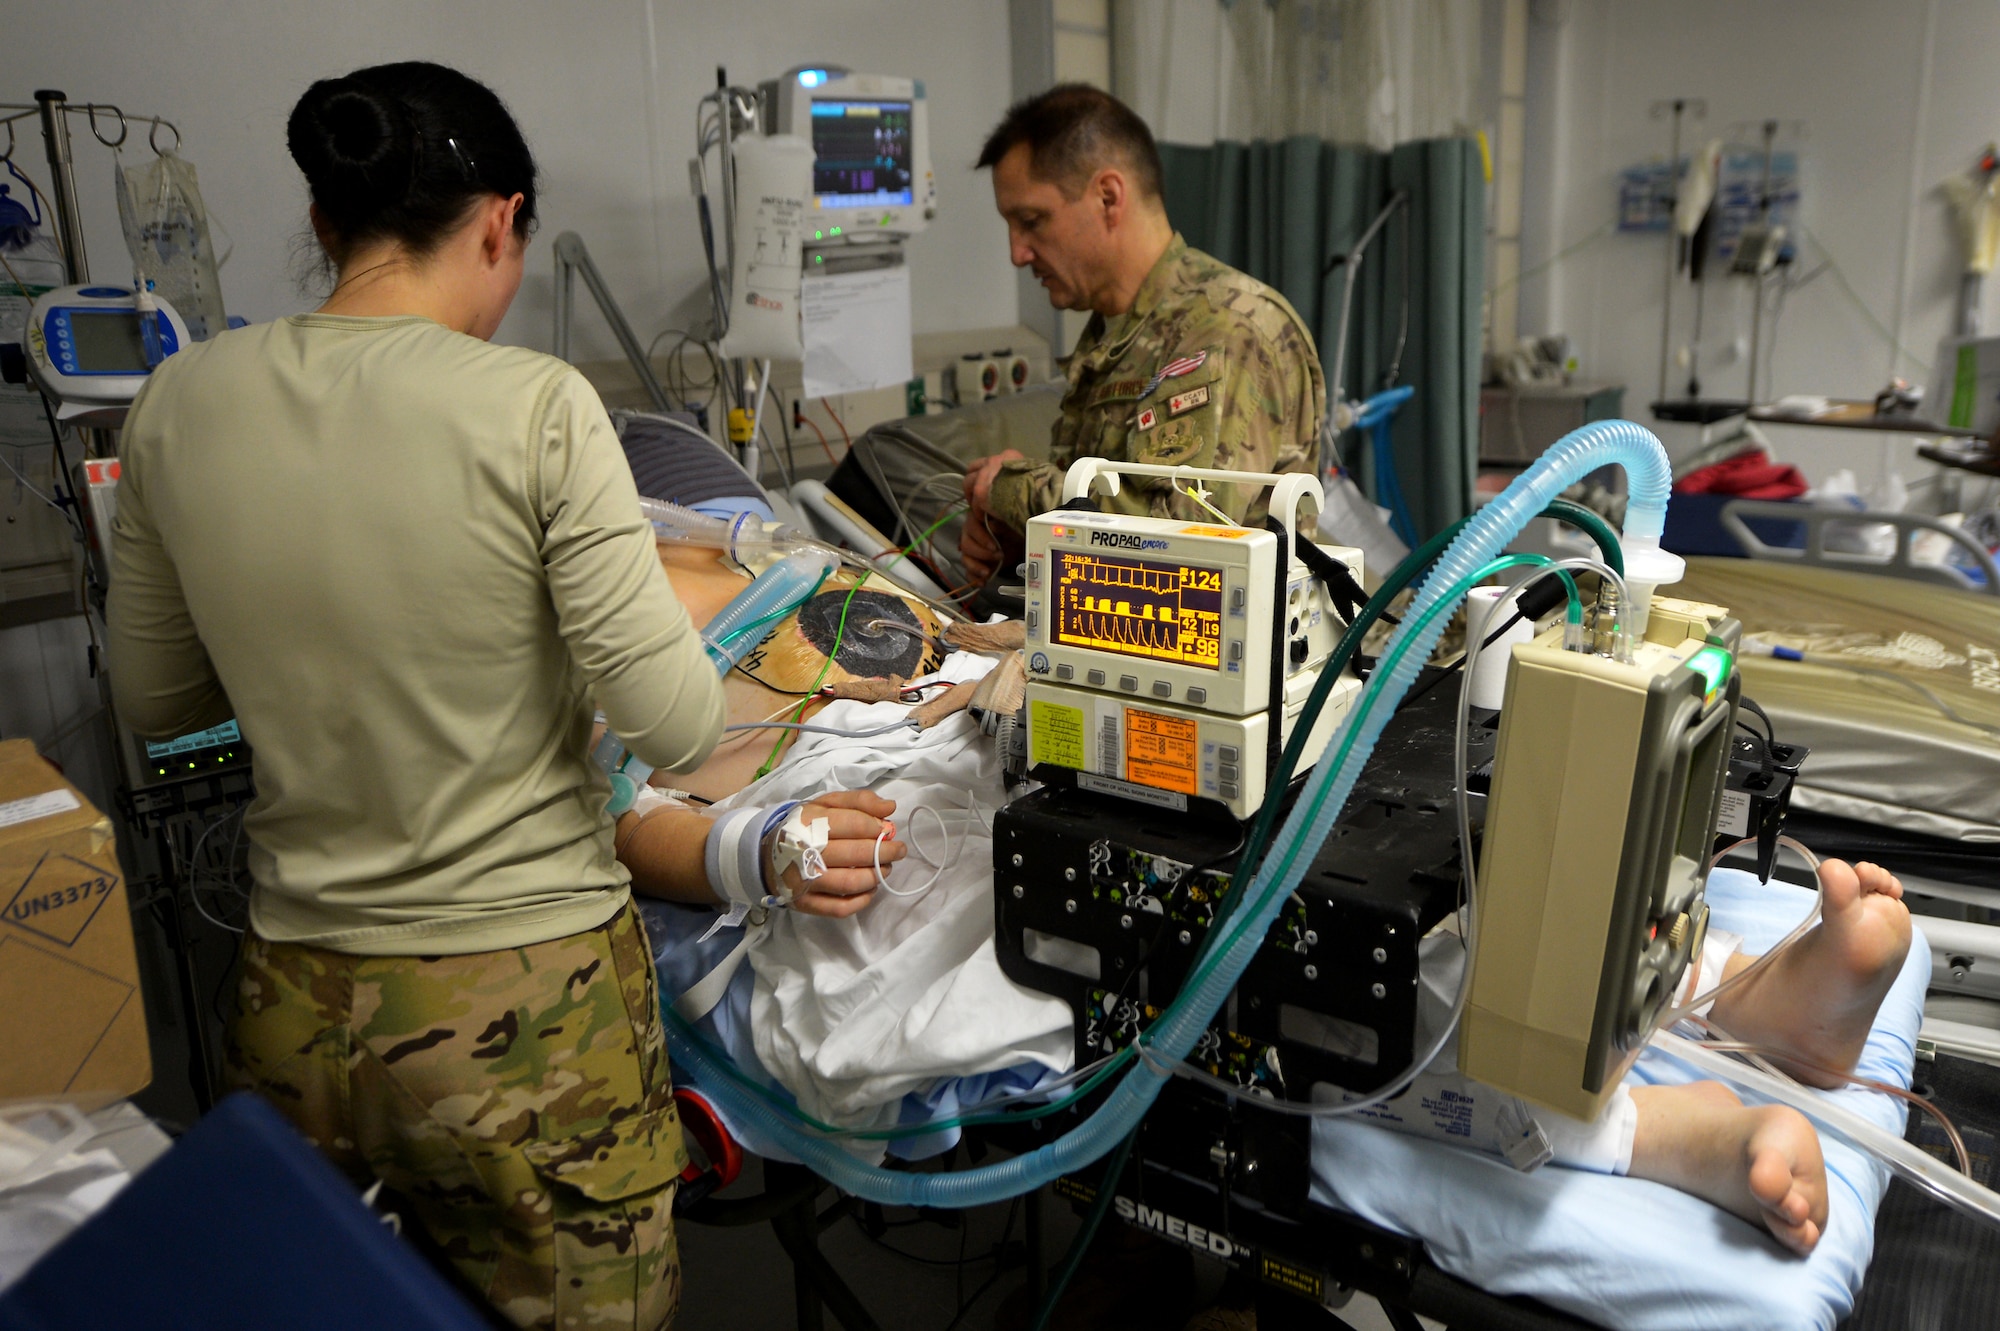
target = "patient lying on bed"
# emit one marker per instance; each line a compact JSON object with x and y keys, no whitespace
{"x":1816,"y":1002}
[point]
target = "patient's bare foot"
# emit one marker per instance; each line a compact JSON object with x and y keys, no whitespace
{"x":1818,"y":998}
{"x":1759,"y":1162}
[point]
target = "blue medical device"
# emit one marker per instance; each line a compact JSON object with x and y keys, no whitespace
{"x":89,"y":350}
{"x":1374,"y":420}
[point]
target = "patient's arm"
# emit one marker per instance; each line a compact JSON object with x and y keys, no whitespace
{"x":664,"y":852}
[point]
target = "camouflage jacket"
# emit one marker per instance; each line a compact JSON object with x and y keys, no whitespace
{"x":1210,"y":368}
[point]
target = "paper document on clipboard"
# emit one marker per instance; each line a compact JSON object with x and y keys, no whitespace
{"x":857,"y":330}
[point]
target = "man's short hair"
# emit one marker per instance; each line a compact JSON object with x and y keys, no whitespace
{"x":1073,"y":131}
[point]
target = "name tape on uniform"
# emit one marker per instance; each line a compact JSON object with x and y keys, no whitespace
{"x":1182,"y":403}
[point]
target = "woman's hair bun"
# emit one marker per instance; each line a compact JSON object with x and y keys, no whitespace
{"x":404,"y":152}
{"x":354,"y":145}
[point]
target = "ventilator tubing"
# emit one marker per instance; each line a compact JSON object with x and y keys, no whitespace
{"x":1305,"y":829}
{"x":744,"y":537}
{"x":777,"y":589}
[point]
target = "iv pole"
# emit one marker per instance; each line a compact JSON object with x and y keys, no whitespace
{"x":1677,"y":107}
{"x":52,"y":106}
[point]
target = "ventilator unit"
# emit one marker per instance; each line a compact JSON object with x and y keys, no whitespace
{"x":1606,"y":786}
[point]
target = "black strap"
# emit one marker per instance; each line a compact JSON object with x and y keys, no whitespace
{"x":1348,"y":595}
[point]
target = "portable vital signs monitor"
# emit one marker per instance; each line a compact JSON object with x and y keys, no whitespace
{"x":88,"y":350}
{"x":1167,"y":660}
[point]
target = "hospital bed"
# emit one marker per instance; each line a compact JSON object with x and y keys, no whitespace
{"x":1475,"y":1244}
{"x":1897,"y":693}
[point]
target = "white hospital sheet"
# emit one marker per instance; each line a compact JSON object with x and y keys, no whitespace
{"x":852,"y":1015}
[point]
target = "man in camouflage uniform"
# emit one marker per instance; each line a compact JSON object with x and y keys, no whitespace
{"x":1185,"y":360}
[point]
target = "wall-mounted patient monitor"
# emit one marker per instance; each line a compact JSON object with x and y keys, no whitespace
{"x":870,"y":135}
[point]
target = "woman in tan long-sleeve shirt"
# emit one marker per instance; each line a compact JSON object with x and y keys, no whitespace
{"x":410,"y":563}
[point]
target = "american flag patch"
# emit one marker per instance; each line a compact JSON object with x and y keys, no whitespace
{"x":1174,"y":369}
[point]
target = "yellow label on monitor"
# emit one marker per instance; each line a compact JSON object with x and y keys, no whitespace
{"x":1160,"y":751}
{"x":1233,"y":533}
{"x":1055,"y":734}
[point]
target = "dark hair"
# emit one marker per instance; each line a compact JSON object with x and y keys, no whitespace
{"x":403,"y":152}
{"x":1074,"y":131}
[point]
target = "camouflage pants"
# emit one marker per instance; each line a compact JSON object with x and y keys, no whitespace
{"x":518,"y":1100}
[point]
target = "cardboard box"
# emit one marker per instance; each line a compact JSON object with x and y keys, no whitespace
{"x":70,"y":1003}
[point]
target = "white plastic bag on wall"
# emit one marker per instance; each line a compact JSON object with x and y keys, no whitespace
{"x":773,"y":181}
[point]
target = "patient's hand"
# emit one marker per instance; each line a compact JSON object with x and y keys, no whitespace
{"x":855,"y":819}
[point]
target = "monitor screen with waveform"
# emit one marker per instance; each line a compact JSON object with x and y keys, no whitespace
{"x":1138,"y":607}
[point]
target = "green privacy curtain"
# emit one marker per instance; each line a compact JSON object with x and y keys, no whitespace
{"x":1278,"y":211}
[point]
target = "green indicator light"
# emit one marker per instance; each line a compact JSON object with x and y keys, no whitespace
{"x":819,"y":235}
{"x":819,"y":258}
{"x":836,"y":231}
{"x":1712,"y":664}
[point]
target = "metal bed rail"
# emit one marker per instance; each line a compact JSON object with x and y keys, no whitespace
{"x":1900,"y":564}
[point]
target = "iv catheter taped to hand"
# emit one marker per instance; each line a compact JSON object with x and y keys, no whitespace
{"x":734,"y":858}
{"x":798,"y":845}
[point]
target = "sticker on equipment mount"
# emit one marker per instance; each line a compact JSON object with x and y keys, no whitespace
{"x":1734,"y":820}
{"x":1285,"y":1275}
{"x":1148,"y":419}
{"x":1055,"y":734}
{"x":1111,"y":785}
{"x":1161,"y":751}
{"x":1180,"y":404}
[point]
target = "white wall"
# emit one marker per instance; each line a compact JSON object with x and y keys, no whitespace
{"x":605,"y":90}
{"x":1894,"y":96}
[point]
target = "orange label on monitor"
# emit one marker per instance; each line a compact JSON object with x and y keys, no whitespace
{"x":1233,"y":533}
{"x":1160,"y":751}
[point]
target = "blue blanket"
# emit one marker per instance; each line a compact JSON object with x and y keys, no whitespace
{"x":1624,"y":1253}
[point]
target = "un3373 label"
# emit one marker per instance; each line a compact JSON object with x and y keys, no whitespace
{"x":1177,"y":1229}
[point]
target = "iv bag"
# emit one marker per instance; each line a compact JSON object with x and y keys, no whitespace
{"x":166,"y":230}
{"x":30,"y":259}
{"x":773,"y":179}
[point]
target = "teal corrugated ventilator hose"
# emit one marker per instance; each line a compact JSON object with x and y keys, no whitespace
{"x":1230,"y":951}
